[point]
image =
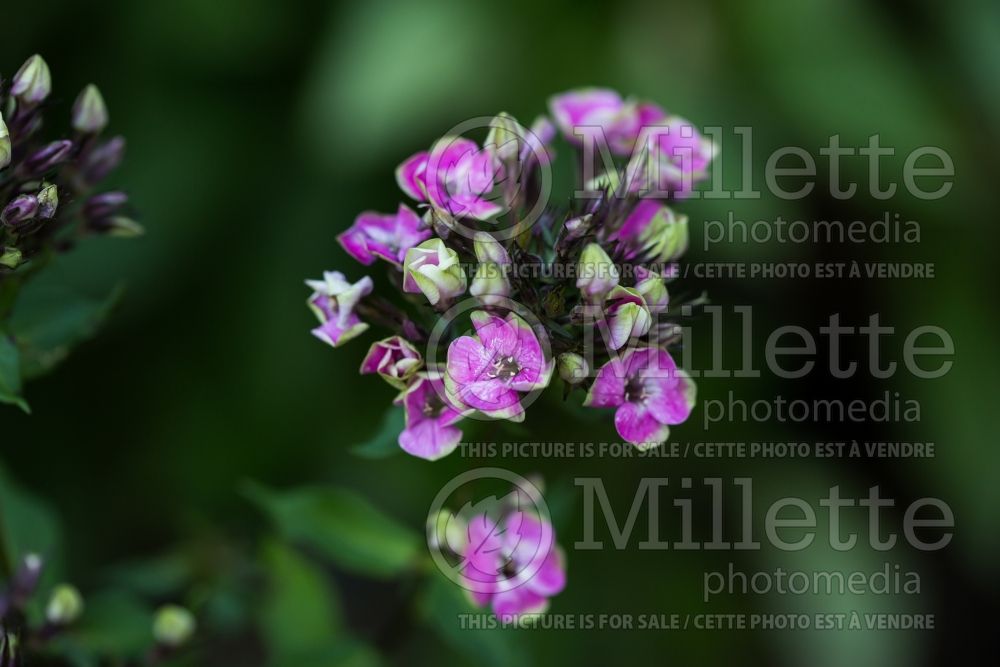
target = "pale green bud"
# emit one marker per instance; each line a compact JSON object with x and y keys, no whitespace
{"x":10,"y":257}
{"x":435,"y":270}
{"x":65,"y":605}
{"x":90,"y":114}
{"x":596,"y":273}
{"x":173,"y":625}
{"x":505,"y":136}
{"x":572,"y":367}
{"x":5,"y":146}
{"x":122,"y":227}
{"x":446,"y":531}
{"x":48,"y":201}
{"x":654,"y":291}
{"x":33,"y":82}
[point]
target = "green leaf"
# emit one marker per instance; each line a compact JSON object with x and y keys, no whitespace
{"x":443,"y":606}
{"x":48,"y":322}
{"x":27,"y":525}
{"x":341,"y":526}
{"x":10,"y":373}
{"x":300,"y":614}
{"x":384,"y":443}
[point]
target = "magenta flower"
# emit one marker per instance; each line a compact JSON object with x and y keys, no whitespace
{"x":678,"y":155}
{"x":513,"y":565}
{"x":387,"y":236}
{"x":592,"y":111}
{"x":489,"y":372}
{"x":333,"y":301}
{"x":430,"y":417}
{"x":456,"y":176}
{"x":650,"y":392}
{"x":394,"y":359}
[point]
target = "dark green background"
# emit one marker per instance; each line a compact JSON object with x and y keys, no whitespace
{"x":258,"y":130}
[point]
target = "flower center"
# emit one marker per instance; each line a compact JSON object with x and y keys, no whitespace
{"x":635,"y":391}
{"x":504,"y":368}
{"x":433,"y":405}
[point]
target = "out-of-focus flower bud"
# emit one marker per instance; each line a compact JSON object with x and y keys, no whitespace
{"x":652,"y":288}
{"x":577,"y":227}
{"x":596,"y":273}
{"x":121,"y":227}
{"x":173,"y":625}
{"x":33,"y":82}
{"x":433,"y":269}
{"x":446,"y":532}
{"x":10,"y":257}
{"x":90,"y":114}
{"x":49,"y":156}
{"x":104,"y":204}
{"x":101,"y":161}
{"x":48,"y":201}
{"x":65,"y":605}
{"x":20,"y":209}
{"x":5,"y":147}
{"x":572,"y":367}
{"x":505,"y":137}
{"x":25,"y":579}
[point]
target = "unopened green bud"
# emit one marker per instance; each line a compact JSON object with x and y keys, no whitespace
{"x":596,"y":273}
{"x":48,"y":201}
{"x":65,"y":605}
{"x":90,"y":114}
{"x":10,"y":257}
{"x":446,"y":531}
{"x":122,"y":227}
{"x":5,"y":147}
{"x":33,"y":82}
{"x":173,"y":625}
{"x":505,"y":136}
{"x":572,"y":367}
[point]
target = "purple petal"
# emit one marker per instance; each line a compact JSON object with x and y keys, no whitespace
{"x":429,"y":439}
{"x":608,"y":390}
{"x":410,"y":176}
{"x":637,"y":425}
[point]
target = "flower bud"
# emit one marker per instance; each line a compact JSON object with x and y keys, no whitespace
{"x":48,"y":157}
{"x":101,"y":161}
{"x":446,"y":532}
{"x":121,"y":227}
{"x":394,"y":359}
{"x":22,"y":208}
{"x":5,"y":146}
{"x":572,"y":367}
{"x":25,"y":579}
{"x":10,"y":257}
{"x":490,"y":284}
{"x":173,"y":625}
{"x":596,"y":273}
{"x":104,"y":204}
{"x":653,"y":290}
{"x":627,"y":316}
{"x":65,"y":605}
{"x":33,"y":82}
{"x":505,"y":136}
{"x":433,"y":269}
{"x":90,"y":114}
{"x":671,"y":238}
{"x":48,"y":201}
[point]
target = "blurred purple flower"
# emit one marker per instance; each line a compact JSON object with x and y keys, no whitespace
{"x":513,"y":565}
{"x":456,"y":176}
